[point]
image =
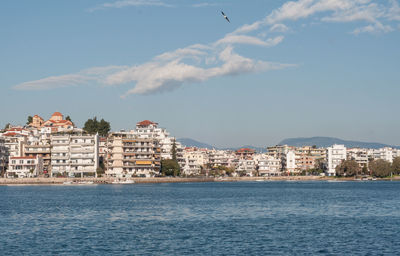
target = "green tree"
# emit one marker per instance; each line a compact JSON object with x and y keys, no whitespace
{"x":92,"y":126}
{"x":173,"y":151}
{"x":103,"y":128}
{"x":170,"y":167}
{"x":29,"y":121}
{"x":68,"y":118}
{"x":348,"y":168}
{"x":380,"y":168}
{"x":396,"y":165}
{"x":8,"y":125}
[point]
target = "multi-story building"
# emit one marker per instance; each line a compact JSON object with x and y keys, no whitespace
{"x":385,"y":153}
{"x":335,"y":155}
{"x":3,"y":156}
{"x":245,"y":153}
{"x":268,"y":165}
{"x":24,"y":166}
{"x":289,"y":162}
{"x":246,"y":166}
{"x":305,"y":162}
{"x":132,"y":155}
{"x":149,"y":129}
{"x":14,"y":143}
{"x":360,"y":155}
{"x":195,"y":160}
{"x":41,"y":150}
{"x":74,"y":155}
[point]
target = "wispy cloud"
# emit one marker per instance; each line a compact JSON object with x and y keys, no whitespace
{"x":375,"y":14}
{"x":84,"y":77}
{"x":127,"y":3}
{"x":198,"y":5}
{"x":201,"y":62}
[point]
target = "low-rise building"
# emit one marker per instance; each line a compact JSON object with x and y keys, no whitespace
{"x":268,"y":165}
{"x":24,"y":167}
{"x":3,"y":156}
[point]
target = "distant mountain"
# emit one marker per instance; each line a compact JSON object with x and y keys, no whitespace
{"x":194,"y":143}
{"x":257,"y":149}
{"x":329,"y":141}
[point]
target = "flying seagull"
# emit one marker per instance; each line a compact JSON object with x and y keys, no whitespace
{"x":225,"y":16}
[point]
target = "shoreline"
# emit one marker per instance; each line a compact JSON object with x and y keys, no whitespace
{"x":108,"y":180}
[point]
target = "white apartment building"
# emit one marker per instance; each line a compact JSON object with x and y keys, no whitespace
{"x":335,"y":155}
{"x":268,"y":165}
{"x":24,"y":167}
{"x":14,"y":143}
{"x":149,"y":129}
{"x":75,"y":155}
{"x":290,"y":161}
{"x":385,"y":153}
{"x":247,"y":166}
{"x":360,"y":155}
{"x":195,"y":159}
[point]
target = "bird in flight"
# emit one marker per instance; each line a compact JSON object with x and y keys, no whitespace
{"x":223,"y":14}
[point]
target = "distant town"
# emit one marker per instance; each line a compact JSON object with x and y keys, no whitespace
{"x":57,"y":148}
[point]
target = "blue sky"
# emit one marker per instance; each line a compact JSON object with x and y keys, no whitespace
{"x":280,"y":69}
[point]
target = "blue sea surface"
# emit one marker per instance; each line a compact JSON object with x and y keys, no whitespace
{"x":242,"y":218}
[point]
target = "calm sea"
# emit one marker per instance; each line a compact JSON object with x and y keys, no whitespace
{"x":244,"y":218}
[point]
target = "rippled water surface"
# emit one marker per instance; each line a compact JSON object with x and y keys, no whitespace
{"x":244,"y":218}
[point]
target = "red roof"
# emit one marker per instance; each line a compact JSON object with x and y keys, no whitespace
{"x":23,"y":157}
{"x":242,"y":150}
{"x":56,"y":114}
{"x":13,"y":134}
{"x":145,"y":123}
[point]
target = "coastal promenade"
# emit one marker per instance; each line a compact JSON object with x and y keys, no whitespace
{"x":108,"y":180}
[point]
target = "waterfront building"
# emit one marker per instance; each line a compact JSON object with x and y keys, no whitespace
{"x":39,"y":150}
{"x":74,"y":155}
{"x":24,"y":166}
{"x":385,"y":153}
{"x":305,"y":162}
{"x":360,"y":155}
{"x":335,"y":155}
{"x":246,"y":166}
{"x":149,"y":129}
{"x":195,"y":160}
{"x":268,"y":165}
{"x":131,"y":155}
{"x":279,"y":151}
{"x":245,"y":153}
{"x":289,"y":162}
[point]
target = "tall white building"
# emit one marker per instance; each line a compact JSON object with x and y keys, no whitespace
{"x":75,"y":155}
{"x":290,"y":161}
{"x":335,"y":155}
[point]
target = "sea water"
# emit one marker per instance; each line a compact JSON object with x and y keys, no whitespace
{"x":227,"y":218}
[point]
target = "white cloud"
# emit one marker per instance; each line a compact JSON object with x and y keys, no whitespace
{"x":203,"y":5}
{"x":373,"y":29}
{"x":127,"y":3}
{"x":251,"y":40}
{"x":200,"y":62}
{"x":278,"y":28}
{"x":84,"y":77}
{"x":157,"y":76}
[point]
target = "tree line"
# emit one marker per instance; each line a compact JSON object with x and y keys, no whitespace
{"x":377,"y":168}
